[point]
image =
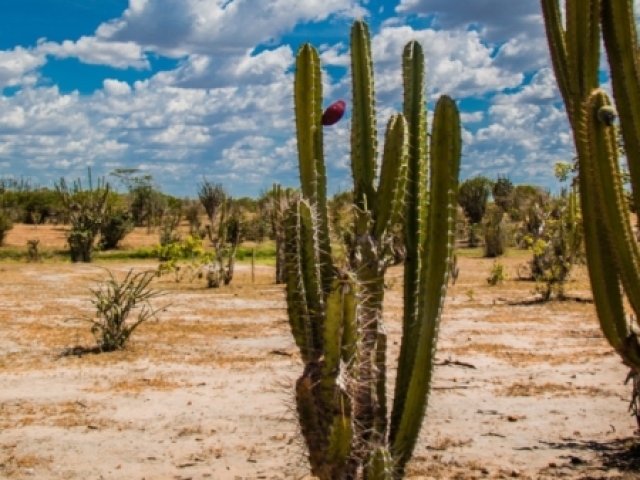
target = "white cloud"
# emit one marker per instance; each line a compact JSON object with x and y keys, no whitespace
{"x":471,"y":117}
{"x":17,"y":66}
{"x":202,"y":71}
{"x":95,"y":51}
{"x":497,"y":20}
{"x":210,"y":27}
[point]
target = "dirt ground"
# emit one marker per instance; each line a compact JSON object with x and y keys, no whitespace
{"x":522,"y":391}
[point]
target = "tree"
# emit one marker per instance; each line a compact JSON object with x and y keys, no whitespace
{"x":211,"y":196}
{"x":503,"y":193}
{"x":473,"y":196}
{"x":146,"y":200}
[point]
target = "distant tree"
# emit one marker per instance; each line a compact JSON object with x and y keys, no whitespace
{"x":147,"y":203}
{"x":211,"y":196}
{"x":473,"y":196}
{"x":503,"y":193}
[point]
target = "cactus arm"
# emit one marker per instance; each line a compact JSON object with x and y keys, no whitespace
{"x":575,"y":52}
{"x":304,"y":283}
{"x":393,"y":176}
{"x":297,"y":308}
{"x":380,"y":466}
{"x":308,"y":113}
{"x":445,"y":164}
{"x":621,"y":42}
{"x":341,"y":310}
{"x":583,"y":45}
{"x":615,"y":239}
{"x":364,"y":136}
{"x":415,"y":115}
{"x":607,"y":182}
{"x":558,"y":48}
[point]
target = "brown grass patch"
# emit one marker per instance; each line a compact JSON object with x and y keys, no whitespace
{"x":63,"y":414}
{"x":160,"y":382}
{"x":517,"y":357}
{"x":550,"y":389}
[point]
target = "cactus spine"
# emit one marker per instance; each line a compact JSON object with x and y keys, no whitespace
{"x":335,"y":312}
{"x":612,"y":254}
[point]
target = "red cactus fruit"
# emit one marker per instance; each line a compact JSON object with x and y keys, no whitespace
{"x":334,"y":113}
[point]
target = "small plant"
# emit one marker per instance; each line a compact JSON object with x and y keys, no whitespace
{"x":183,"y":258}
{"x":558,"y":247}
{"x":32,"y":250}
{"x":455,"y":270}
{"x":495,"y":236}
{"x":497,"y":275}
{"x":5,"y":225}
{"x":114,"y":301}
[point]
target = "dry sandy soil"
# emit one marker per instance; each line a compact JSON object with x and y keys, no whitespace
{"x":530,"y":391}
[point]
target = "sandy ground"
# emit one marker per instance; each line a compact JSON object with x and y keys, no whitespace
{"x":205,"y":391}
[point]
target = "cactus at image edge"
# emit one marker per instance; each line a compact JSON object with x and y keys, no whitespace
{"x":335,"y":311}
{"x":611,"y":251}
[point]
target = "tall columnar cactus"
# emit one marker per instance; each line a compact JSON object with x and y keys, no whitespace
{"x":335,"y":311}
{"x":611,"y":251}
{"x":279,"y":200}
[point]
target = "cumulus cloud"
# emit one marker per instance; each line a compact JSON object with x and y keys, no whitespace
{"x":497,"y":20}
{"x":214,"y":27}
{"x":95,"y":51}
{"x":18,"y":66}
{"x":203,"y":71}
{"x":226,"y":110}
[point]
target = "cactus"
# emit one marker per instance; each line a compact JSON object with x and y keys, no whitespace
{"x":335,"y":311}
{"x":611,"y":251}
{"x":220,"y":270}
{"x":279,"y":200}
{"x":87,"y":210}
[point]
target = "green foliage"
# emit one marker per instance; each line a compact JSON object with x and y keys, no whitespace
{"x":557,"y":246}
{"x":183,"y":259}
{"x":146,"y":202}
{"x":503,"y":193}
{"x":212,"y":196}
{"x":192,"y":215}
{"x":5,"y":225}
{"x":86,"y":210}
{"x":116,"y":225}
{"x":497,"y":275}
{"x":494,"y":232}
{"x":115,"y":300}
{"x":473,"y":196}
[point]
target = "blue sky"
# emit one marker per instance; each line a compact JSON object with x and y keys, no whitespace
{"x":183,"y":89}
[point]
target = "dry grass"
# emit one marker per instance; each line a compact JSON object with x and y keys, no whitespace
{"x":214,"y":336}
{"x":529,"y":389}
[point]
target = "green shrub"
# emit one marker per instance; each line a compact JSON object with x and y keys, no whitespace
{"x":114,"y":301}
{"x":5,"y":225}
{"x":497,"y":275}
{"x":114,"y":228}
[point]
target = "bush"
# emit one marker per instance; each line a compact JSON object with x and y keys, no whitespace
{"x":115,"y":301}
{"x":497,"y":275}
{"x":5,"y":225}
{"x":114,"y":228}
{"x":495,"y":237}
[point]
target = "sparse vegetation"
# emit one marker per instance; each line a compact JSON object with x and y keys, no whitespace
{"x":115,"y":300}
